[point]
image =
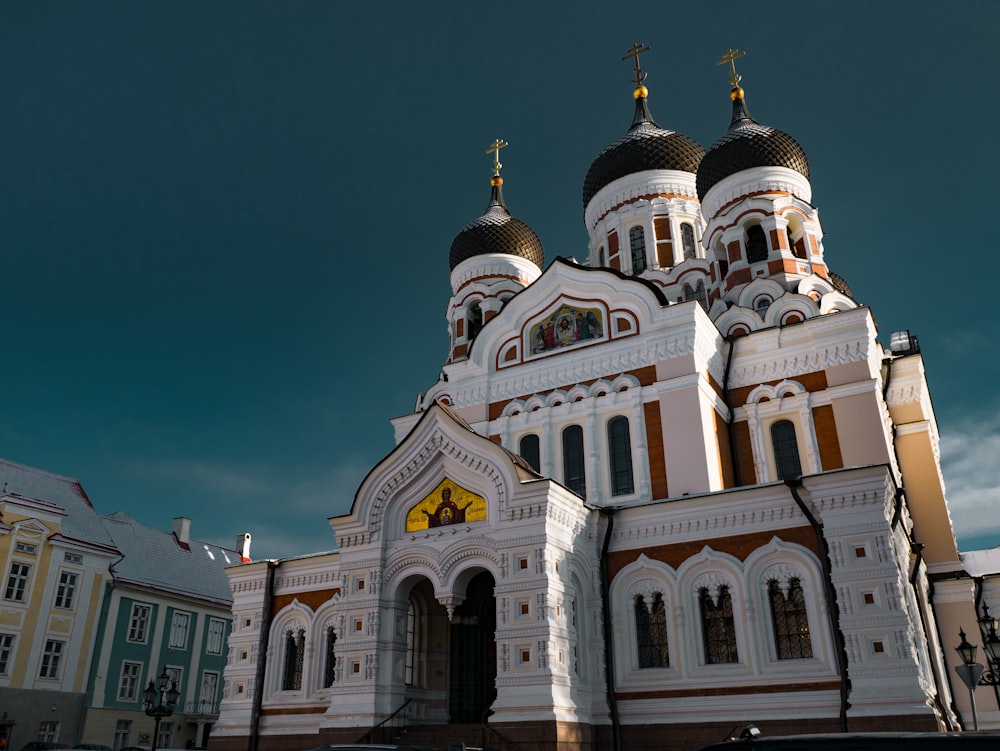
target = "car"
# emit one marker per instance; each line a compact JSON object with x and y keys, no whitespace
{"x":90,"y":747}
{"x":42,"y":746}
{"x":749,"y":741}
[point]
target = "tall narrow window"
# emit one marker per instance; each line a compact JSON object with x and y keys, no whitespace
{"x":51,"y":659}
{"x":474,"y":321}
{"x":620,"y":455}
{"x":165,"y":737}
{"x":17,"y":582}
{"x":687,"y":240}
{"x":216,"y":636}
{"x":756,"y":244}
{"x":291,"y":677}
{"x":330,"y":663}
{"x":179,"y":630}
{"x":66,"y":590}
{"x":786,"y":450}
{"x":637,"y":244}
{"x":602,"y":260}
{"x":411,"y":644}
{"x":718,"y":627}
{"x":791,"y":622}
{"x":651,"y":632}
{"x":174,"y":677}
{"x":6,"y":652}
{"x":528,"y":448}
{"x":208,"y":699}
{"x":574,"y":473}
{"x":138,"y":623}
{"x":123,"y":729}
{"x":128,"y":682}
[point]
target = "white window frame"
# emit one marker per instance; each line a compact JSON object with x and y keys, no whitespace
{"x":123,"y":731}
{"x":180,"y":627}
{"x":51,"y":663}
{"x":66,"y":590}
{"x":48,"y":731}
{"x":208,"y":702}
{"x":130,"y":681}
{"x":216,"y":636}
{"x":17,"y":585}
{"x":138,"y":625}
{"x":6,"y":652}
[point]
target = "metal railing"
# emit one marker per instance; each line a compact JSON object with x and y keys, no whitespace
{"x":202,"y":707}
{"x":396,"y":723}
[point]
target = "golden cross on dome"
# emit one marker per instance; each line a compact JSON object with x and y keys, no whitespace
{"x":495,"y":150}
{"x":731,"y":57}
{"x":634,"y":51}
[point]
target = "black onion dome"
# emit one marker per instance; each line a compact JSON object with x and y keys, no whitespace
{"x":496,"y":231}
{"x":644,"y":146}
{"x":748,"y":144}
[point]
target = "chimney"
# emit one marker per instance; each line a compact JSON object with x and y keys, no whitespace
{"x":243,"y":545}
{"x":182,"y":531}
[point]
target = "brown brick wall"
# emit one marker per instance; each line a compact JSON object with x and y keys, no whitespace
{"x":312,"y":599}
{"x":744,"y":453}
{"x":812,"y":382}
{"x":725,"y":451}
{"x":654,"y":443}
{"x":826,"y":436}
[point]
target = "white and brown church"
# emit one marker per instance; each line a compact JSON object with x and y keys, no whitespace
{"x":676,"y":489}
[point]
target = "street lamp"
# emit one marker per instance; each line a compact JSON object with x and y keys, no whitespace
{"x":159,"y":701}
{"x":970,"y":671}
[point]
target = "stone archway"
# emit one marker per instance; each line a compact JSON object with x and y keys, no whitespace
{"x":473,"y":653}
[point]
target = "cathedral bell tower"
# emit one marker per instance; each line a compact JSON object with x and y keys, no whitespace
{"x":492,"y":258}
{"x":754,"y":188}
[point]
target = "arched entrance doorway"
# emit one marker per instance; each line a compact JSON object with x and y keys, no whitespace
{"x":473,"y":653}
{"x":449,"y":666}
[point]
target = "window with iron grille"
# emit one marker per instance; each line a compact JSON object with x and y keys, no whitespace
{"x":330,"y":665}
{"x":651,"y":631}
{"x":786,"y":450}
{"x":620,"y":455}
{"x":574,"y":472}
{"x":17,"y":582}
{"x":791,"y":622}
{"x":66,"y":590}
{"x":291,"y":677}
{"x":528,"y":448}
{"x":51,"y":659}
{"x":138,"y":623}
{"x":637,"y":244}
{"x":718,"y":626}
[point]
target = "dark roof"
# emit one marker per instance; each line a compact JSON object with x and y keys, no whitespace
{"x":157,"y":560}
{"x":496,"y":231}
{"x":748,"y":144}
{"x":644,"y":146}
{"x":63,"y":496}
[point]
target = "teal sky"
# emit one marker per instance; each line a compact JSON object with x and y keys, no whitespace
{"x":224,"y":227}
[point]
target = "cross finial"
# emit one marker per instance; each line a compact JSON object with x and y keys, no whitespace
{"x":731,"y":57}
{"x":494,"y":149}
{"x":634,"y":51}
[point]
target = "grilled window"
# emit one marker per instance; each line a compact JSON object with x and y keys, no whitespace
{"x":651,"y":632}
{"x":637,"y":244}
{"x":718,"y":627}
{"x":786,"y":450}
{"x":330,"y":665}
{"x":291,"y":677}
{"x":791,"y":622}
{"x":620,"y":455}
{"x":687,"y":240}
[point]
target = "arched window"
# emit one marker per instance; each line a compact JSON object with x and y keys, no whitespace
{"x":330,"y":664}
{"x":786,"y":450}
{"x":761,"y":304}
{"x":718,"y":627}
{"x":651,"y":632}
{"x":687,"y":240}
{"x":574,"y":473}
{"x":637,"y":244}
{"x":798,"y":249}
{"x":756,"y":244}
{"x":620,"y":456}
{"x":701,"y":295}
{"x":601,"y":260}
{"x":291,"y":674}
{"x":474,"y":321}
{"x":529,"y":450}
{"x":791,"y":623}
